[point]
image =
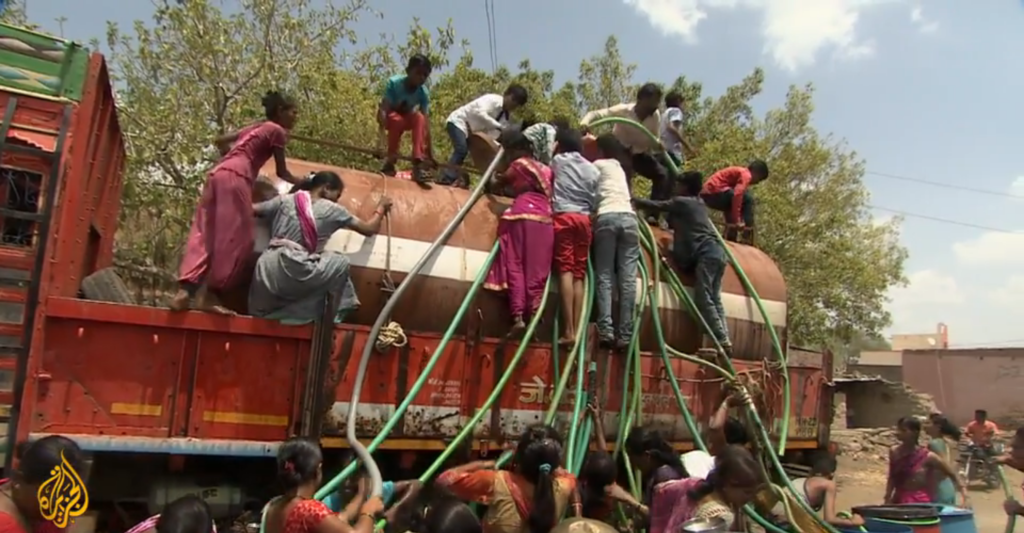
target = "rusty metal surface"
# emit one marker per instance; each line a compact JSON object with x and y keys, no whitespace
{"x":421,"y":215}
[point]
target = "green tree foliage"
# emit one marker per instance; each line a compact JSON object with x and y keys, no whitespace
{"x":199,"y":68}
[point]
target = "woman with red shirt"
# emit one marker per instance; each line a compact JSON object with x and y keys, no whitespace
{"x":20,"y":510}
{"x":299,"y":463}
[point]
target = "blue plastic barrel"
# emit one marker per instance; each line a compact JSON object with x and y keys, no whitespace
{"x":874,"y":526}
{"x":956,"y":520}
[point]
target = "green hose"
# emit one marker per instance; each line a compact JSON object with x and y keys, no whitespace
{"x":467,"y":301}
{"x":747,"y":285}
{"x":650,"y":243}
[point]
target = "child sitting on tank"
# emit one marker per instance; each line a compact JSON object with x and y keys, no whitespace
{"x":575,"y":197}
{"x":405,"y":106}
{"x":696,"y":248}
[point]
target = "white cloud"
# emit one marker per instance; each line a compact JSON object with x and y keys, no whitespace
{"x":1017,"y":187}
{"x":1011,"y":293}
{"x":795,"y":31}
{"x":923,"y":24}
{"x":992,"y":249}
{"x":926,"y":287}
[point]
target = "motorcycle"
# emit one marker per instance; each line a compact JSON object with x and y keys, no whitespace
{"x":976,"y":464}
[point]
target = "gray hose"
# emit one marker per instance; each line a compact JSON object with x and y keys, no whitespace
{"x":385,"y":314}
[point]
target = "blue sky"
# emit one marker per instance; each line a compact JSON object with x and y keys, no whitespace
{"x":925,"y":90}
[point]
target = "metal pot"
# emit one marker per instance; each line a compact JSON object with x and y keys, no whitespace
{"x":711,"y":525}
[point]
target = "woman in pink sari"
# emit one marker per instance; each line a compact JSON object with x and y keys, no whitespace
{"x":525,"y":232}
{"x":220,"y":243}
{"x":914,"y":471}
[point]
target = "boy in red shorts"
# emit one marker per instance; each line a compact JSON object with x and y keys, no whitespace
{"x":574,"y":200}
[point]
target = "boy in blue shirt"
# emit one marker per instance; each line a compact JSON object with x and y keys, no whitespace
{"x":406,"y":107}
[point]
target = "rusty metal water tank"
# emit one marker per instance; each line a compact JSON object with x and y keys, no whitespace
{"x":419,"y":216}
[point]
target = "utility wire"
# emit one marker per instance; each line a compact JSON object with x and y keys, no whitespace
{"x":974,"y":190}
{"x":945,"y":220}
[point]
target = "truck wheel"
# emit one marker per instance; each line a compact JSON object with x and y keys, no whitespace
{"x":105,"y":285}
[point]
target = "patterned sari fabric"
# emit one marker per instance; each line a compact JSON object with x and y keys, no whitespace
{"x":526,"y":238}
{"x":508,"y":496}
{"x":906,"y":470}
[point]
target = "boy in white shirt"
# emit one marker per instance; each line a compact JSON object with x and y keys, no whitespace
{"x":672,"y":128}
{"x":616,"y":244}
{"x":488,"y":114}
{"x":646,"y":155}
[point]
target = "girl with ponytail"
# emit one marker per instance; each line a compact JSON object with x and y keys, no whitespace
{"x":221,"y":238}
{"x":295,"y":273}
{"x":533,"y":497}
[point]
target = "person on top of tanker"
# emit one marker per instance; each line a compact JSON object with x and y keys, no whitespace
{"x":728,"y":191}
{"x":543,"y":136}
{"x":616,"y":245}
{"x":672,"y":129}
{"x":405,"y":106}
{"x":647,"y":156}
{"x":489,"y":115}
{"x":300,"y":471}
{"x":695,"y":248}
{"x":294,"y":274}
{"x":533,"y":496}
{"x":220,"y":240}
{"x":575,"y":197}
{"x":525,"y":234}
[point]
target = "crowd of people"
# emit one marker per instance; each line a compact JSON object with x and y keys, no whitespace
{"x":572,"y":203}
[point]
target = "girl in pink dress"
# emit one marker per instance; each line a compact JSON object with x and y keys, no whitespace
{"x":220,"y":243}
{"x":525,"y":232}
{"x":299,"y":462}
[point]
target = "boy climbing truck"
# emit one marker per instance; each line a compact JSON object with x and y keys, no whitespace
{"x":172,"y":403}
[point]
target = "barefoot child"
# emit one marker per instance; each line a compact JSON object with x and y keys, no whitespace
{"x":575,"y":197}
{"x":220,"y":241}
{"x":404,"y":107}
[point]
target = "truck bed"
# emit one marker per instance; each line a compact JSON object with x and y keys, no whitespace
{"x":130,"y":378}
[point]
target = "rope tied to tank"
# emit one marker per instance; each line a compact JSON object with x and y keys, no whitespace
{"x":391,"y":336}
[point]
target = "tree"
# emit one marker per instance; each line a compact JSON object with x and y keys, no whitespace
{"x":197,"y":70}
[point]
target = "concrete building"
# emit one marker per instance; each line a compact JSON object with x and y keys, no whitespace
{"x":888,"y":364}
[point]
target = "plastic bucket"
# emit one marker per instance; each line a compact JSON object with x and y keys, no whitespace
{"x":956,"y":520}
{"x":923,"y":518}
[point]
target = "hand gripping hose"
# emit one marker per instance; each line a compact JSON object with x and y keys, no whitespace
{"x":651,"y":245}
{"x":377,"y":484}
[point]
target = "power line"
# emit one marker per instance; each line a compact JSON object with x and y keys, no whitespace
{"x":945,"y":220}
{"x":491,"y":41}
{"x":974,"y":190}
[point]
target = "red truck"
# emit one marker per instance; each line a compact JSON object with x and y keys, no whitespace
{"x":173,"y":403}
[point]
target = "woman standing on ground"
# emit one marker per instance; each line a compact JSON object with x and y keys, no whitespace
{"x":20,"y":509}
{"x":913,"y":470}
{"x":945,"y":441}
{"x":294,"y":274}
{"x":525,"y":232}
{"x":220,"y":241}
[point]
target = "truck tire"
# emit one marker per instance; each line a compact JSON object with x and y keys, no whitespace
{"x":105,"y":285}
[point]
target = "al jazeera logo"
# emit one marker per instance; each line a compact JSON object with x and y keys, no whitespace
{"x":63,"y":496}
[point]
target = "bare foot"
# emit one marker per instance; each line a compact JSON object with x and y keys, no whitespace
{"x":210,"y":304}
{"x":180,"y":301}
{"x":218,"y":310}
{"x":567,"y":340}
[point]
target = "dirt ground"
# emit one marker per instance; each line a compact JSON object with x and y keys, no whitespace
{"x":863,"y":483}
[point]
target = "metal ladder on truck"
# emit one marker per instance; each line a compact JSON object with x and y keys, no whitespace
{"x":29,"y":178}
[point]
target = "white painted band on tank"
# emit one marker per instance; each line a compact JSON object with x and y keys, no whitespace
{"x":459,"y":264}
